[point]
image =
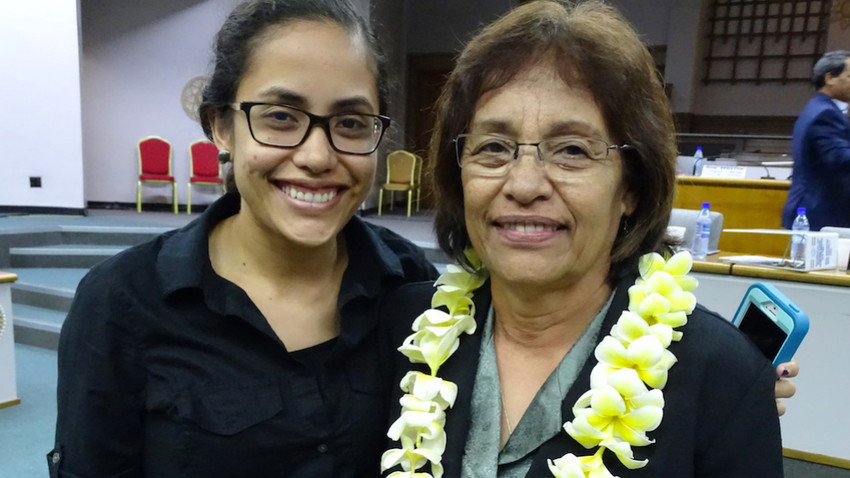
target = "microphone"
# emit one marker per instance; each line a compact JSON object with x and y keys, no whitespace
{"x":765,"y":164}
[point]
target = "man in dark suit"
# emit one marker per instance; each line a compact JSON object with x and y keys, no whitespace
{"x":821,"y":149}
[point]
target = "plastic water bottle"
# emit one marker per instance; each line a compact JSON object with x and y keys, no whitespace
{"x":798,"y":241}
{"x":699,"y":161}
{"x":701,"y":232}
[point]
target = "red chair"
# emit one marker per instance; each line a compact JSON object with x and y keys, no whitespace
{"x":155,"y":167}
{"x":204,"y":168}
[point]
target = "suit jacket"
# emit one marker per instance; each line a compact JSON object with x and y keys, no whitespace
{"x":720,"y":416}
{"x":821,"y":174}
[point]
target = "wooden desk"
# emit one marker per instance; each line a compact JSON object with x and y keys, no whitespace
{"x":8,"y":384}
{"x":814,"y":427}
{"x":745,"y":204}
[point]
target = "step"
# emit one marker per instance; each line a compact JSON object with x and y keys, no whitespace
{"x":110,"y":235}
{"x":50,"y":288}
{"x":37,"y":326}
{"x":62,"y":256}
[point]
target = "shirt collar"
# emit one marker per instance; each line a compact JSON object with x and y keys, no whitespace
{"x":184,"y":254}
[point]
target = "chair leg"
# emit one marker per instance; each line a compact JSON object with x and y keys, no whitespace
{"x":174,"y":195}
{"x":380,"y":200}
{"x":418,"y":197}
{"x":138,"y":196}
{"x":189,"y":198}
{"x":409,"y":200}
{"x":392,"y":200}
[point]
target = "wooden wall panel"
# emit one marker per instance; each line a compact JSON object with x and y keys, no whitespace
{"x":744,"y":203}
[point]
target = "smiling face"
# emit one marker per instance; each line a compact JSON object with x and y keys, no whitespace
{"x":306,"y":194}
{"x":528,"y":228}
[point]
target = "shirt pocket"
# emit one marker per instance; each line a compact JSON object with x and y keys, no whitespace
{"x":232,"y":410}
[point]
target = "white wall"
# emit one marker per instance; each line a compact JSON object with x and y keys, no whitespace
{"x":40,"y":129}
{"x":137,"y":58}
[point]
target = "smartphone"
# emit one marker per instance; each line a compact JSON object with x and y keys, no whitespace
{"x":774,"y":324}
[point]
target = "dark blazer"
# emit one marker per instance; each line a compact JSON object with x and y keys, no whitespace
{"x":821,"y":175}
{"x":720,"y":416}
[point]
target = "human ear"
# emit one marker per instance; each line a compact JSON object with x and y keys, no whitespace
{"x":221,"y":125}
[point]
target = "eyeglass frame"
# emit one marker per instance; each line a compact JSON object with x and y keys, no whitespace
{"x":322,"y":121}
{"x":608,"y":146}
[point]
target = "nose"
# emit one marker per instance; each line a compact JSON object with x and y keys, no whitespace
{"x":315,"y":154}
{"x":527,"y":180}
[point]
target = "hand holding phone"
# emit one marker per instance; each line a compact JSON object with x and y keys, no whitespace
{"x":774,"y":323}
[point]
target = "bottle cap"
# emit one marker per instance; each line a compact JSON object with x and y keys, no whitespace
{"x":801,"y":211}
{"x":706,"y":205}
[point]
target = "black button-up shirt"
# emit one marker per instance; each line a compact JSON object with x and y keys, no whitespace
{"x":167,"y":369}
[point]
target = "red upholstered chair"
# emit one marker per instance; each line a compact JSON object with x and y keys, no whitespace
{"x":155,"y":167}
{"x":204,"y":168}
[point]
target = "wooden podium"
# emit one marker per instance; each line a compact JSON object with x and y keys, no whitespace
{"x":8,"y":382}
{"x":745,"y":204}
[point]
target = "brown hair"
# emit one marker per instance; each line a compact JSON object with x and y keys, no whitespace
{"x":594,"y":47}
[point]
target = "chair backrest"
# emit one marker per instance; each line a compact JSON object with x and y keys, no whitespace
{"x":401,"y":167}
{"x":154,"y":156}
{"x":203,"y":159}
{"x":419,"y":164}
{"x":687,"y":218}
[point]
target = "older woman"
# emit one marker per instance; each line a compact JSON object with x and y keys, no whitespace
{"x":553,"y":158}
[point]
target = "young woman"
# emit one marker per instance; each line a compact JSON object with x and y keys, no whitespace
{"x":243,"y":344}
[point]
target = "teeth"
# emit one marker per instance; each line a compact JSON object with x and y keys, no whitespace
{"x":308,"y":196}
{"x":521,"y":227}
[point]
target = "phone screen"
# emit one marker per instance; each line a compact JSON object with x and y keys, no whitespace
{"x":767,"y":336}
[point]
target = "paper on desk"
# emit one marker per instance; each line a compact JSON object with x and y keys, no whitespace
{"x":783,"y":232}
{"x":757,"y":260}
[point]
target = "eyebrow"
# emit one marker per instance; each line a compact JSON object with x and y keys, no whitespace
{"x":560,"y":128}
{"x":291,"y":98}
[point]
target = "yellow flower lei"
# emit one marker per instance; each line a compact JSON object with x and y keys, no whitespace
{"x":615,"y":414}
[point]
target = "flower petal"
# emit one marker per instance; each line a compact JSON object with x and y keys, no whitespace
{"x":607,"y":401}
{"x":649,"y":263}
{"x":680,"y":264}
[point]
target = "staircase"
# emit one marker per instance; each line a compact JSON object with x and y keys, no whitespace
{"x":49,"y":264}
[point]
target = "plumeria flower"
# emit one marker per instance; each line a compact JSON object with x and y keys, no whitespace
{"x":409,"y":474}
{"x":646,"y":355}
{"x":618,"y":410}
{"x":571,"y":466}
{"x":427,"y":387}
{"x":436,"y":337}
{"x":420,"y":431}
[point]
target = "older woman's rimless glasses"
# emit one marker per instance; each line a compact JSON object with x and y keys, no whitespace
{"x":563,"y":156}
{"x":287,"y":127}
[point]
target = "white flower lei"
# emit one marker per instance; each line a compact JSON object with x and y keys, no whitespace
{"x":615,"y":414}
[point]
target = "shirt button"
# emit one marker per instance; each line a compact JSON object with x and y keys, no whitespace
{"x":322,"y":448}
{"x":55,"y":457}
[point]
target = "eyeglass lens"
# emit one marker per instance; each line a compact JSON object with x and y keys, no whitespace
{"x":489,"y":155}
{"x":280,"y":125}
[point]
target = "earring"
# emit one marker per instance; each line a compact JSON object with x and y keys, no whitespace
{"x":224,"y":156}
